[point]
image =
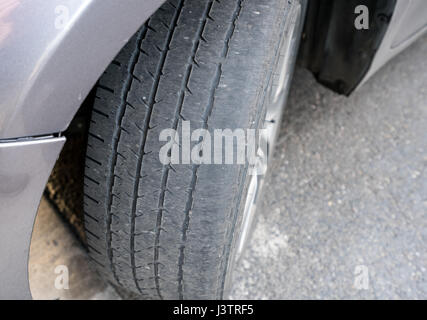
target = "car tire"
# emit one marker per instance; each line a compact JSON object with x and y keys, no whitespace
{"x":170,"y":231}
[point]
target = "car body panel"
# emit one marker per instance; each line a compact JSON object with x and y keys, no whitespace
{"x":55,"y":51}
{"x":408,"y":23}
{"x":24,"y":169}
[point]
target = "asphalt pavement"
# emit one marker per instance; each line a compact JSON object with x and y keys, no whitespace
{"x":347,"y":195}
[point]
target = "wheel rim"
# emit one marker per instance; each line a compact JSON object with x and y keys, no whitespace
{"x":277,"y":94}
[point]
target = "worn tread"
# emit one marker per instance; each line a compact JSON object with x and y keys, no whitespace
{"x":165,"y":231}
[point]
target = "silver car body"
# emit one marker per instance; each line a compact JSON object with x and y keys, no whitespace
{"x":52,"y":52}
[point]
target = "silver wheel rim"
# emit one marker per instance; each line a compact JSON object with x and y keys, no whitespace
{"x":276,"y":99}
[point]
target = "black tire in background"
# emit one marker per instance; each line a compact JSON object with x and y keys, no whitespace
{"x":168,"y":231}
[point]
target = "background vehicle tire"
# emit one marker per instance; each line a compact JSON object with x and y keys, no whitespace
{"x":170,"y":231}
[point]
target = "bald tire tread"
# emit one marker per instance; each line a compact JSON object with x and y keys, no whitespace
{"x":166,"y":231}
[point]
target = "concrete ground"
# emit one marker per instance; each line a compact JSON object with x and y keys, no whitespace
{"x":54,"y":246}
{"x":344,"y":214}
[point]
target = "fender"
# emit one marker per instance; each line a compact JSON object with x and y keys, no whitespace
{"x":53,"y":52}
{"x":24,"y":169}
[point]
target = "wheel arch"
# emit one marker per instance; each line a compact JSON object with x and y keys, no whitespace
{"x":51,"y":67}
